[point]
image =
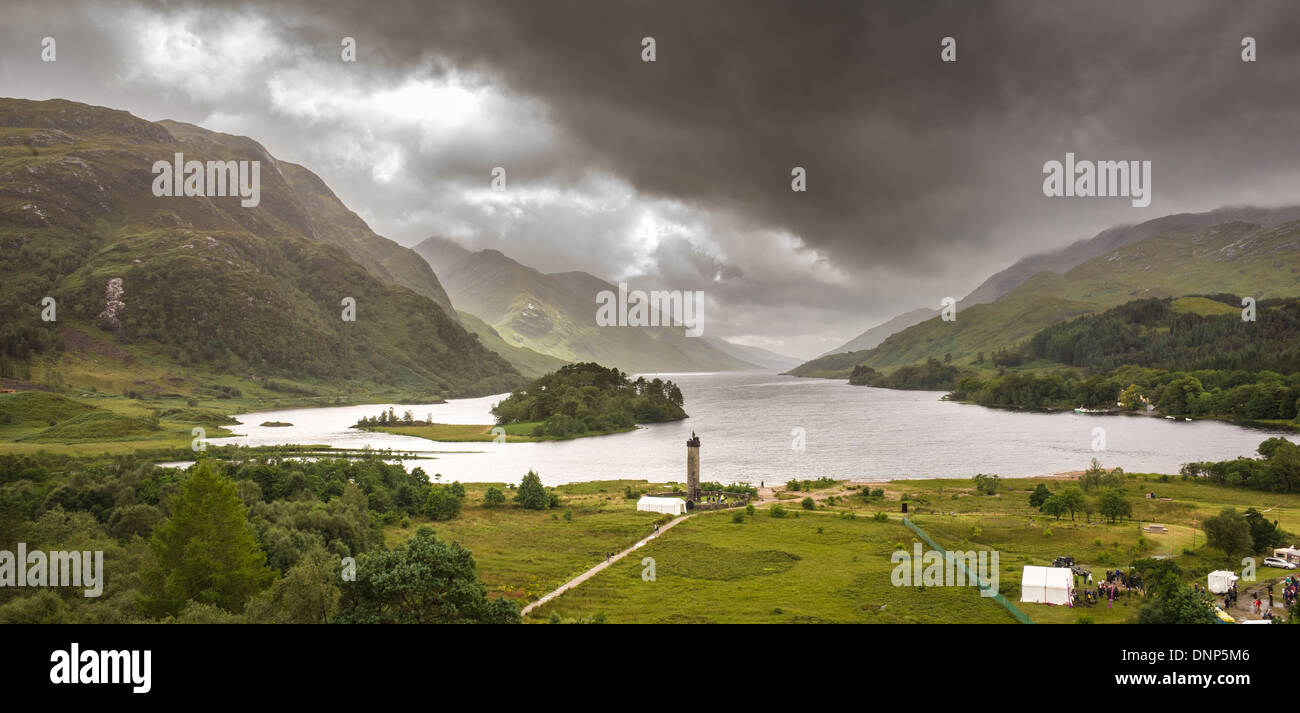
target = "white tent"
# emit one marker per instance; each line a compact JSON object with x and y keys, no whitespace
{"x":670,"y":506}
{"x":1220,"y":581}
{"x":1046,"y":585}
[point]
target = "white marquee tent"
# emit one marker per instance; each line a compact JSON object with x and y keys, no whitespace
{"x":670,"y":506}
{"x":1220,"y":581}
{"x":1046,"y":585}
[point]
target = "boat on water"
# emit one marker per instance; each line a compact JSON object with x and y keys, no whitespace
{"x":1094,"y":410}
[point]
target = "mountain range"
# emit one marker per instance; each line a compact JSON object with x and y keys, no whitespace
{"x":1170,"y":257}
{"x":186,"y":294}
{"x":554,"y":314}
{"x":1063,"y":259}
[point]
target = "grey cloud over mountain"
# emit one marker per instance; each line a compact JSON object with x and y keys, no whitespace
{"x":923,"y":177}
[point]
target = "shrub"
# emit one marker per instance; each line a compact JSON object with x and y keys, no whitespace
{"x":749,"y":509}
{"x":531,"y":495}
{"x":880,"y":517}
{"x":777,"y":511}
{"x":493,"y":497}
{"x":809,"y":504}
{"x":738,"y":518}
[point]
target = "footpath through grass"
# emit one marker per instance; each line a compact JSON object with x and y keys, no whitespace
{"x":806,"y":569}
{"x":524,"y":554}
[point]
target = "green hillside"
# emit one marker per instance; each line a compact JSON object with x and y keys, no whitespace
{"x":1236,"y":258}
{"x":38,"y":408}
{"x":210,"y":291}
{"x":526,"y":361}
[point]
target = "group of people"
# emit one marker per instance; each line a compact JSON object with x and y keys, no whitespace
{"x":1124,"y":580}
{"x":1290,"y":590}
{"x":1116,"y":583}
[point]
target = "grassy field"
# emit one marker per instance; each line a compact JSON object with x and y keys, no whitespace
{"x":523,"y":554}
{"x":819,"y":565}
{"x":97,"y":423}
{"x":803,"y":569}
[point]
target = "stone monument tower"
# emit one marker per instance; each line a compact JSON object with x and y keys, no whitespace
{"x":693,"y":467}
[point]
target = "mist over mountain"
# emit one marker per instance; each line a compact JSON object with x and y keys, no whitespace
{"x":554,"y":314}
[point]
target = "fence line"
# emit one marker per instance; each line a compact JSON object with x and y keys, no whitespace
{"x":1020,"y":616}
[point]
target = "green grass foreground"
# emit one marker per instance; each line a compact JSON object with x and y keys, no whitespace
{"x":830,"y":563}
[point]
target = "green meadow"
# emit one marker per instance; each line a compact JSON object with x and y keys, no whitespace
{"x":832,"y":562}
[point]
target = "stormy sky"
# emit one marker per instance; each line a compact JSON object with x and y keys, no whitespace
{"x":923,"y":177}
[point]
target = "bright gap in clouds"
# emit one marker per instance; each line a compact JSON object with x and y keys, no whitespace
{"x":402,"y":149}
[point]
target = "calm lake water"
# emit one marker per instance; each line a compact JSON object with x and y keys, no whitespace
{"x":747,"y":420}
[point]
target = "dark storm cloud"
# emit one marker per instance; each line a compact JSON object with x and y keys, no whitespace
{"x":923,"y":177}
{"x":906,"y":155}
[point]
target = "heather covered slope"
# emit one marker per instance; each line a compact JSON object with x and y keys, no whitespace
{"x":209,"y":289}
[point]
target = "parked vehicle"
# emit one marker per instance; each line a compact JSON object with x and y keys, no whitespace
{"x":1278,"y":562}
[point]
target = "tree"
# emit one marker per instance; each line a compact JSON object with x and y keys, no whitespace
{"x":1263,"y":534}
{"x":1113,"y":505}
{"x":1039,"y":496}
{"x":1055,"y":506}
{"x":1073,"y":499}
{"x":1175,"y":603}
{"x":424,"y":581}
{"x":206,"y":551}
{"x":532,"y":495}
{"x":1131,"y":398}
{"x":1228,"y":531}
{"x":307,"y":594}
{"x":493,"y":496}
{"x":442,"y":503}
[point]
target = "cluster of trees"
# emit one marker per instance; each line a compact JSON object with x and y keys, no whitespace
{"x":1169,"y":600}
{"x":740,"y":488}
{"x":589,"y":398}
{"x":1147,"y":352}
{"x":390,"y":418}
{"x":1151,"y":333}
{"x":1237,"y":534}
{"x":807,"y":485}
{"x":987,"y":484}
{"x":1216,"y":394}
{"x":1277,"y":469}
{"x":933,"y":375}
{"x":1097,"y":491}
{"x":261,"y":540}
{"x":1051,"y":390}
